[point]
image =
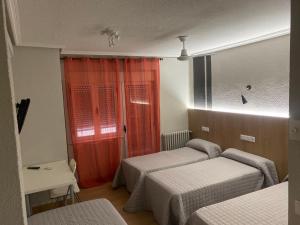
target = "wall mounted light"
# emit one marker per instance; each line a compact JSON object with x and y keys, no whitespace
{"x":244,"y":100}
{"x":248,"y":87}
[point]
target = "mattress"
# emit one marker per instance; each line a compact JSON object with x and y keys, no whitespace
{"x":95,"y":212}
{"x":265,"y":207}
{"x":174,"y":194}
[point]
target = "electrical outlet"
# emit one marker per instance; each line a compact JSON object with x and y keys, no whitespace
{"x":297,"y":207}
{"x":205,"y":129}
{"x":247,"y":138}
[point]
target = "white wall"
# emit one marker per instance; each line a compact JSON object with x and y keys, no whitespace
{"x":174,"y":94}
{"x":12,"y":204}
{"x":37,"y":76}
{"x":265,"y":66}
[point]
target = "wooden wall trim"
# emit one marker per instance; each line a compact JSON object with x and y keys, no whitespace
{"x":271,"y":134}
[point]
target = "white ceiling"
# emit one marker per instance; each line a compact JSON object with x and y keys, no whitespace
{"x":149,"y":27}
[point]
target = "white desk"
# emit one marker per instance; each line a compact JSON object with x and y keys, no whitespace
{"x":49,"y":176}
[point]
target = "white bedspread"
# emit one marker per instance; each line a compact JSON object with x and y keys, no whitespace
{"x":264,"y":207}
{"x":95,"y":212}
{"x":174,"y":194}
{"x":133,"y":171}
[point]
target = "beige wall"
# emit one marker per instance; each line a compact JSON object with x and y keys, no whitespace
{"x":37,"y":76}
{"x":265,"y":66}
{"x":294,"y":146}
{"x":174,"y":94}
{"x":12,"y":204}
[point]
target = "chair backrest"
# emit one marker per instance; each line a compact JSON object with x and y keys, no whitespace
{"x":72,"y":165}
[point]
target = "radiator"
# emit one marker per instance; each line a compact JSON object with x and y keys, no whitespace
{"x":175,"y":140}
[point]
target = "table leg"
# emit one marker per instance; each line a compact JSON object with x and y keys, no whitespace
{"x":28,"y":205}
{"x":72,"y":193}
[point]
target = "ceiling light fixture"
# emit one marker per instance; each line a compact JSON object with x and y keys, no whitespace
{"x":184,"y":55}
{"x":112,"y":35}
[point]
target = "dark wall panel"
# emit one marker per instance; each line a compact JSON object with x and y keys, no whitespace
{"x":208,"y":82}
{"x":199,"y":82}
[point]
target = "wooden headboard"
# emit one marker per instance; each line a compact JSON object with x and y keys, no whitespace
{"x":271,"y":134}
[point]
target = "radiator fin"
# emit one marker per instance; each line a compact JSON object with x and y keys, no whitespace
{"x":175,"y":140}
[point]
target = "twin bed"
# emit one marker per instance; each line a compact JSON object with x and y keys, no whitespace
{"x":132,"y":171}
{"x":175,"y":184}
{"x":174,"y":194}
{"x":267,"y":207}
{"x":94,"y":212}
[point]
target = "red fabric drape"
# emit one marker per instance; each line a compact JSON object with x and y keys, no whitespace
{"x":94,"y":104}
{"x":142,"y":99}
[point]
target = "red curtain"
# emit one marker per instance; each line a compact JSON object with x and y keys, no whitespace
{"x":142,"y":83}
{"x":94,"y":105}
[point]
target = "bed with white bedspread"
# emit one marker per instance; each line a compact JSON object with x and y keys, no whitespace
{"x":94,"y":212}
{"x":133,"y":170}
{"x":174,"y":194}
{"x":264,"y":207}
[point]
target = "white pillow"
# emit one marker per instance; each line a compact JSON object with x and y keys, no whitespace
{"x":213,"y":150}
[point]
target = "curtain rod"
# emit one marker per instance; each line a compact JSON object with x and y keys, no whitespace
{"x":62,"y":56}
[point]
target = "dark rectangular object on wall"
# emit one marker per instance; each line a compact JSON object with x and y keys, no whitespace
{"x":208,"y":82}
{"x":199,"y":82}
{"x":22,"y":109}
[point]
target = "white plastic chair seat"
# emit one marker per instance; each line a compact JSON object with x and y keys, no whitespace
{"x":61,"y":192}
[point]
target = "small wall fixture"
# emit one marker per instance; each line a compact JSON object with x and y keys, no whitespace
{"x":244,"y":100}
{"x":112,"y":35}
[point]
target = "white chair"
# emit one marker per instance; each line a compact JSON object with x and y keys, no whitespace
{"x":64,"y":192}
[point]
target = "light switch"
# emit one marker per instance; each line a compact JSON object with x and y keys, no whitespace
{"x":247,"y":138}
{"x":205,"y":129}
{"x":297,"y":207}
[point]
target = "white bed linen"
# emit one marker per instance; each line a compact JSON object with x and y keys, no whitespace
{"x":264,"y":207}
{"x":174,"y":194}
{"x":95,"y":212}
{"x":132,"y":171}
